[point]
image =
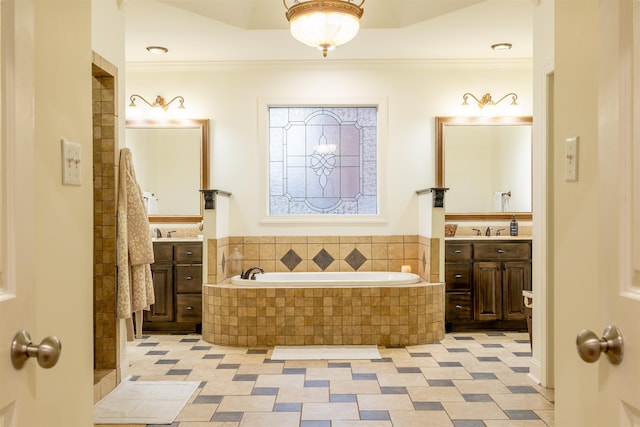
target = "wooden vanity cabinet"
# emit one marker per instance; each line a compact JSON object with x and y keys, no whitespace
{"x":177,"y":282}
{"x":490,"y":295}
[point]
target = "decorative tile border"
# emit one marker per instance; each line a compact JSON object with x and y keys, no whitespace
{"x":330,"y":253}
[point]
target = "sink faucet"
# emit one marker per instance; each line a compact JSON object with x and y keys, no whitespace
{"x":477,"y":231}
{"x":170,"y":232}
{"x":499,"y":230}
{"x":248,"y":274}
{"x":158,"y":232}
{"x":488,"y":231}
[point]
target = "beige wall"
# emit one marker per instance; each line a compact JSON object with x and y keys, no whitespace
{"x":413,"y":93}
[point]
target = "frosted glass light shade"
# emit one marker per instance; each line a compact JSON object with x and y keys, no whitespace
{"x":324,"y":24}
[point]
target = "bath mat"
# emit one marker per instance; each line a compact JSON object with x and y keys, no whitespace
{"x":325,"y":352}
{"x":144,"y":402}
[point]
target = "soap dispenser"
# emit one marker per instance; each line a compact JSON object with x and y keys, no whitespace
{"x":513,"y":228}
{"x":235,"y":263}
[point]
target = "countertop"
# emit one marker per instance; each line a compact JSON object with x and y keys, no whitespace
{"x":489,"y":238}
{"x":194,"y":239}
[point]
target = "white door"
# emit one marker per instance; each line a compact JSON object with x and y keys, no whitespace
{"x":46,"y":256}
{"x":597,"y":240}
{"x":17,"y":223}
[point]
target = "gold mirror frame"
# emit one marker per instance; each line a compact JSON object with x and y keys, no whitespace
{"x":203,"y":124}
{"x":441,"y":122}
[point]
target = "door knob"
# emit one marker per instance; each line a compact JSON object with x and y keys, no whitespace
{"x":47,"y":353}
{"x":590,"y":346}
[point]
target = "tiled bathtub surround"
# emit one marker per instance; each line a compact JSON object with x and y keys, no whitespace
{"x":326,"y":253}
{"x":387,"y":316}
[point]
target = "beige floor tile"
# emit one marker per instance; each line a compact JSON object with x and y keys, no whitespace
{"x":474,"y":411}
{"x":547,"y":415}
{"x":515,"y":423}
{"x":330,"y":411}
{"x":521,"y":401}
{"x":480,"y":386}
{"x":261,"y":368}
{"x":382,"y":402}
{"x":247,"y":404}
{"x":402,"y":380}
{"x":514,"y":378}
{"x":548,"y":393}
{"x":435,"y":394}
{"x":244,"y":358}
{"x":264,"y":419}
{"x":204,"y":424}
{"x":269,"y":380}
{"x":228,"y":388}
{"x":446,"y":373}
{"x":354,"y":387}
{"x":361,"y":423}
{"x":306,"y":364}
{"x":420,"y":419}
{"x":305,"y":394}
{"x":197,"y":412}
{"x":329,"y":374}
{"x":373,"y":368}
{"x":420,"y":362}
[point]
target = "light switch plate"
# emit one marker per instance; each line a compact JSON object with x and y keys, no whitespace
{"x":571,"y":159}
{"x":71,"y":159}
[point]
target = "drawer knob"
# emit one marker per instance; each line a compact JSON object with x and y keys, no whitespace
{"x":188,"y":278}
{"x":500,"y":251}
{"x":458,"y":306}
{"x":457,"y":251}
{"x":189,"y":307}
{"x":189,"y":252}
{"x":458,"y":276}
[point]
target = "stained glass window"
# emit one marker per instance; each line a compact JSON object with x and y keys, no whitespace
{"x":322,"y":161}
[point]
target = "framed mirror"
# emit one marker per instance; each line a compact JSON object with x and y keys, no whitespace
{"x":486,"y":164}
{"x":171,"y":160}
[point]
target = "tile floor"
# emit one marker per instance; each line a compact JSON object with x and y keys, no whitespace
{"x":466,"y":380}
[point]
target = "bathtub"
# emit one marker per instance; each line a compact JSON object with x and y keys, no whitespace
{"x":329,"y":279}
{"x":379,"y":308}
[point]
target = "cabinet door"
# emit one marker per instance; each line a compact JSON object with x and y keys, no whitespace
{"x":487,"y":280}
{"x":162,"y":310}
{"x":516,"y":277}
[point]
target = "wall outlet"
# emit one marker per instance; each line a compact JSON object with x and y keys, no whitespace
{"x":71,"y":159}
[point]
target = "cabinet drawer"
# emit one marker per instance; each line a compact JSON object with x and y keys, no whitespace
{"x":458,"y":276}
{"x":457,"y":251}
{"x":188,"y":253}
{"x":501,"y":251}
{"x":188,"y":278}
{"x":189,"y":308}
{"x":457,"y":306}
{"x":162,"y":252}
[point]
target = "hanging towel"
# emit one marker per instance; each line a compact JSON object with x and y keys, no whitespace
{"x":134,"y":245}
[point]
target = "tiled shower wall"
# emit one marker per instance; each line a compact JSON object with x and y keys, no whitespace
{"x":104,"y":202}
{"x":326,"y":253}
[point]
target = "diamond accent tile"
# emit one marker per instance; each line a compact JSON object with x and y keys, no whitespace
{"x":291,"y":259}
{"x":355,"y":259}
{"x":323,"y":259}
{"x":223,"y":263}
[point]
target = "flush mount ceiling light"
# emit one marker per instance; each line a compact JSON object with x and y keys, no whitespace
{"x":324,"y":24}
{"x":487,"y":100}
{"x":501,"y":46}
{"x":157,"y":50}
{"x":158,"y":106}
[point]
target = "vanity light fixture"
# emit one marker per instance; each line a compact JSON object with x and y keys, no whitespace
{"x":324,"y":24}
{"x":157,"y":50}
{"x":487,"y":100}
{"x":501,"y":46}
{"x":158,"y":106}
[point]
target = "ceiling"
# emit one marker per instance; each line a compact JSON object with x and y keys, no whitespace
{"x":249,"y":30}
